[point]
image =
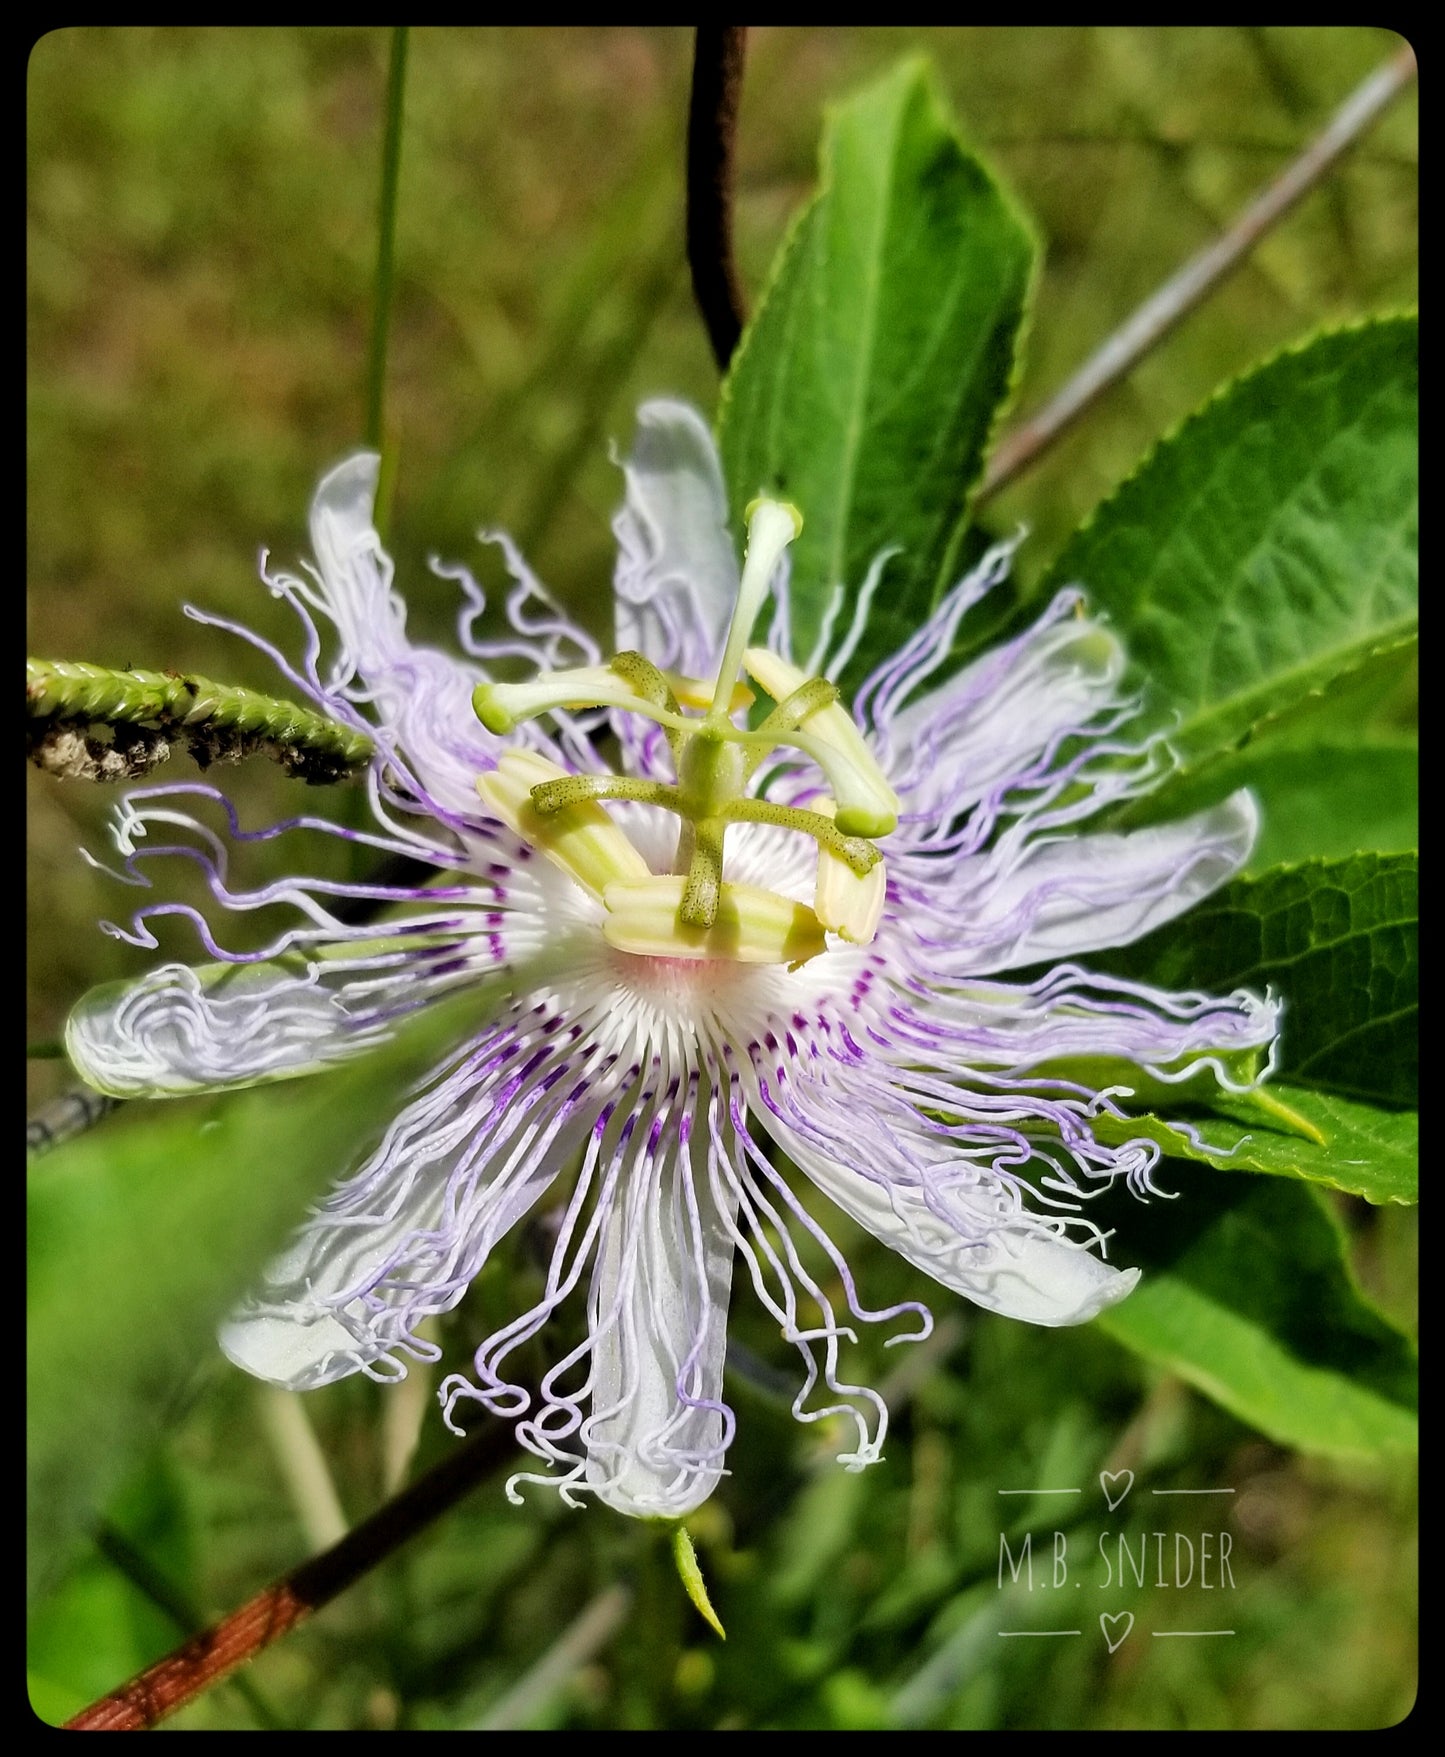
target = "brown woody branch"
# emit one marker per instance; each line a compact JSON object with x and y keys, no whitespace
{"x":712,"y":125}
{"x":168,"y":1685}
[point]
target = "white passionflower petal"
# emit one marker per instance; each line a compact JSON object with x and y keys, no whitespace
{"x":355,"y":571}
{"x":677,"y":573}
{"x":419,"y":698}
{"x":1084,"y":893}
{"x":659,"y":1305}
{"x":403,"y":1238}
{"x":973,"y":1240}
{"x":999,"y":715}
{"x":180,"y":1029}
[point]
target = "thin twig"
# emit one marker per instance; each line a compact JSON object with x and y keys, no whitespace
{"x":63,"y":1118}
{"x":386,"y":239}
{"x":585,"y":1636}
{"x":1160,"y":313}
{"x":712,"y":125}
{"x":404,"y":1410}
{"x":156,"y":1586}
{"x":206,"y":1659}
{"x":303,"y":1466}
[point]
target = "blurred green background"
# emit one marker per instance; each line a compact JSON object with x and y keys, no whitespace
{"x":201,"y":245}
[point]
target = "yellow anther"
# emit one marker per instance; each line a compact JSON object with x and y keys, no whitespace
{"x":867,"y":805}
{"x":753,"y":926}
{"x":581,"y":839}
{"x":846,"y":904}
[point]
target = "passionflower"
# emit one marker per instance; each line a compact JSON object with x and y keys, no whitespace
{"x":719,"y":934}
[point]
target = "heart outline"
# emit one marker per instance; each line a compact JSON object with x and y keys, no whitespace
{"x":1106,"y":1620}
{"x":1108,"y":1479}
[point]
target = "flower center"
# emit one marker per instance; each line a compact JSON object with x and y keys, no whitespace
{"x":693,"y":912}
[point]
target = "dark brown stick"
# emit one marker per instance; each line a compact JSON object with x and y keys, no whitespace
{"x":205,"y":1659}
{"x":712,"y":124}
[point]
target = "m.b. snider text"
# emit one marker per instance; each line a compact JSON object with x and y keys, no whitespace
{"x":1147,"y":1558}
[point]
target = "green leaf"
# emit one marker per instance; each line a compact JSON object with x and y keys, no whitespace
{"x":1246,"y":1295}
{"x":1268,"y":546}
{"x":1365,"y":1151}
{"x":1323,"y":800}
{"x":142,"y":1235}
{"x":98,"y":1626}
{"x":1337,"y":940}
{"x":867,"y":385}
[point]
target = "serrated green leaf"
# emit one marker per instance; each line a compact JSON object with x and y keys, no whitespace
{"x":1365,"y":1151}
{"x":1269,"y":545}
{"x":867,"y":385}
{"x":1318,"y":801}
{"x":143,"y":1234}
{"x":1360,"y":790}
{"x":1246,"y":1294}
{"x":1337,"y":940}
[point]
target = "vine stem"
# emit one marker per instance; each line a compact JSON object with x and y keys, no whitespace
{"x":146,"y":710}
{"x":1189,"y":285}
{"x":712,"y":125}
{"x":203,"y":1661}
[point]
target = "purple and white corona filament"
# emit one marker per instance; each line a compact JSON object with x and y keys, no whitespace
{"x":747,"y":952}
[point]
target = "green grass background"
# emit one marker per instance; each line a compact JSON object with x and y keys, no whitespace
{"x":202,"y":228}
